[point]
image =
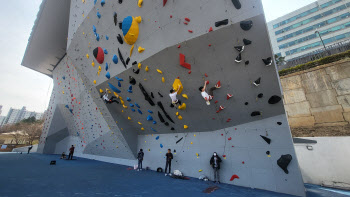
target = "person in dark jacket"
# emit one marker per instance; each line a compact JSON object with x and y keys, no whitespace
{"x":29,"y":148}
{"x":71,"y":152}
{"x":169,"y":157}
{"x":215,"y":163}
{"x":140,"y":159}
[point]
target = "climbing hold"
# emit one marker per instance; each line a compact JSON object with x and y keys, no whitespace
{"x":105,"y":51}
{"x":87,"y":56}
{"x":139,"y":123}
{"x":230,"y":138}
{"x":101,"y":91}
{"x":187,"y":19}
{"x":153,"y":130}
{"x":163,"y":80}
{"x":247,"y":42}
{"x":246,"y":63}
{"x":137,"y":105}
{"x":115,"y":18}
{"x":130,"y":28}
{"x":98,"y":37}
{"x":260,"y":95}
{"x":185,"y":127}
{"x":114,"y":88}
{"x":183,"y":63}
{"x":185,"y":96}
{"x":132,"y":109}
{"x":98,"y":14}
{"x":131,"y":105}
{"x":229,"y":96}
{"x":274,"y":99}
{"x":267,"y":61}
{"x":255,"y":113}
{"x":160,"y":94}
{"x":121,"y":58}
{"x":206,"y":75}
{"x":238,"y":58}
{"x":132,"y":81}
{"x":197,"y":155}
{"x":94,"y":81}
{"x":177,"y":113}
{"x":179,"y":46}
{"x":134,"y":63}
{"x":179,"y":117}
{"x":130,"y":89}
{"x":136,"y":71}
{"x":160,"y":117}
{"x":157,"y":138}
{"x":139,"y":66}
{"x":228,"y":120}
{"x":182,"y":107}
{"x":147,"y":98}
{"x":154,"y":122}
{"x":159,"y":71}
{"x":220,"y":109}
{"x":284,"y":161}
{"x":120,"y":39}
{"x":119,"y":84}
{"x":216,"y":102}
{"x":152,"y":95}
{"x":119,"y":79}
{"x":131,"y":50}
{"x":115,"y":59}
{"x":210,"y":29}
{"x":220,"y":23}
{"x":190,"y":31}
{"x":108,"y":75}
{"x":233,"y":177}
{"x":128,"y":99}
{"x":149,"y":111}
{"x":189,"y":72}
{"x":161,"y":145}
{"x":279,"y":123}
{"x":164,"y":2}
{"x":140,"y":3}
{"x":176,"y":85}
{"x":149,"y":118}
{"x":106,"y":67}
{"x":267,"y":140}
{"x":200,"y":170}
{"x":129,"y":118}
{"x":146,"y":69}
{"x":142,"y":129}
{"x":246,"y":25}
{"x":127,"y":60}
{"x":257,"y":82}
{"x":239,"y":48}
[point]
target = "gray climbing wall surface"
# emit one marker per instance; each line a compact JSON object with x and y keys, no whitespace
{"x":189,"y":41}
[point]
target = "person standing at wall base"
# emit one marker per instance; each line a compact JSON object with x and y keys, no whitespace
{"x":71,"y":152}
{"x":215,"y":163}
{"x":29,"y":148}
{"x":169,"y":157}
{"x":140,"y":159}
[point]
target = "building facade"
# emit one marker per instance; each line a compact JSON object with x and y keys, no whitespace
{"x":137,"y":53}
{"x":16,"y":115}
{"x":2,"y":120}
{"x":298,"y":33}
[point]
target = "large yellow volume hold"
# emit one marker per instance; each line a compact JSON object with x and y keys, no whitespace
{"x":176,"y":84}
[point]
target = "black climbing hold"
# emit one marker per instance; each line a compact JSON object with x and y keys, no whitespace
{"x":120,"y":39}
{"x":132,"y":81}
{"x":121,"y":58}
{"x":147,"y":98}
{"x":260,"y":95}
{"x":136,"y":71}
{"x":134,"y":63}
{"x":115,"y":17}
{"x":239,"y":48}
{"x":274,"y":99}
{"x":247,"y":42}
{"x":219,"y":23}
{"x":246,"y":63}
{"x":246,"y":25}
{"x":152,"y":95}
{"x":166,"y":124}
{"x":284,"y":161}
{"x":237,"y":4}
{"x":255,"y":113}
{"x":127,"y":60}
{"x":161,"y":117}
{"x":172,"y":128}
{"x":279,"y":123}
{"x":160,"y":95}
{"x":267,"y":61}
{"x":238,"y":58}
{"x":267,"y":140}
{"x":257,"y":82}
{"x":120,"y":1}
{"x":246,"y":103}
{"x":267,"y":152}
{"x":179,"y":140}
{"x":120,"y":25}
{"x":166,"y":114}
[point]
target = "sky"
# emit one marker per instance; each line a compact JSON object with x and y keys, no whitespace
{"x":20,"y":86}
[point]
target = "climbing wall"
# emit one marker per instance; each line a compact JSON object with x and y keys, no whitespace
{"x":137,"y":51}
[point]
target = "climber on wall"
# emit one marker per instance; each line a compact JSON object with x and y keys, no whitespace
{"x":210,"y":95}
{"x":107,"y":100}
{"x":169,"y":157}
{"x":140,"y":159}
{"x":215,"y":163}
{"x":173,"y":94}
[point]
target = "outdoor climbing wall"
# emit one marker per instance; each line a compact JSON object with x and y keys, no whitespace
{"x":136,"y":51}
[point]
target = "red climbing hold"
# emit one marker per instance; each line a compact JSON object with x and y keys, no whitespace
{"x":190,"y":31}
{"x":206,"y":74}
{"x":229,"y":96}
{"x":178,"y":46}
{"x":242,"y":162}
{"x":220,"y":109}
{"x":171,"y":16}
{"x":234,"y":177}
{"x":189,"y":72}
{"x":183,"y":63}
{"x":222,"y":134}
{"x":230,"y":138}
{"x":209,"y":45}
{"x":228,"y":120}
{"x":207,"y":82}
{"x":223,"y":155}
{"x":164,"y":2}
{"x":187,"y":19}
{"x":216,"y":102}
{"x":99,"y":54}
{"x":218,"y":84}
{"x":210,"y":29}
{"x":185,"y":23}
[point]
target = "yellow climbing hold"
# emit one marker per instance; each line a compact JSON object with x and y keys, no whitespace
{"x":116,"y":95}
{"x":140,"y":49}
{"x":185,"y":127}
{"x":139,"y":66}
{"x":183,"y":106}
{"x":99,"y":68}
{"x":194,"y":135}
{"x":159,"y":71}
{"x":125,"y":107}
{"x":87,"y":56}
{"x":122,"y":102}
{"x":101,"y":91}
{"x":140,"y":123}
{"x":197,"y":154}
{"x":177,"y":113}
{"x":62,"y":92}
{"x":94,"y":81}
{"x":138,"y":19}
{"x":83,"y":32}
{"x":142,"y":129}
{"x":200,"y":170}
{"x":93,"y":64}
{"x":185,"y":96}
{"x":268,"y":155}
{"x":191,"y":142}
{"x":129,"y":118}
{"x":131,"y":50}
{"x":176,"y":84}
{"x":140,"y":3}
{"x":149,"y":150}
{"x":98,"y":73}
{"x":163,"y":80}
{"x":146,"y":69}
{"x":179,"y":117}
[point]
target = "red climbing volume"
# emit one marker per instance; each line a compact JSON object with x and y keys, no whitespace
{"x":183,"y":63}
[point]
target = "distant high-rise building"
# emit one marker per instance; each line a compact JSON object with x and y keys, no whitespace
{"x":2,"y":120}
{"x":0,"y":109}
{"x":16,"y":115}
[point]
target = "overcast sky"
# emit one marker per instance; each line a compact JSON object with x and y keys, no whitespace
{"x":20,"y":86}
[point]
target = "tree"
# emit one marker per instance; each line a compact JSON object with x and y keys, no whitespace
{"x":29,"y":120}
{"x":32,"y":131}
{"x":280,"y":60}
{"x":14,"y":130}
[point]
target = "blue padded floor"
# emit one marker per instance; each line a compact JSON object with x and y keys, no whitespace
{"x":31,"y":175}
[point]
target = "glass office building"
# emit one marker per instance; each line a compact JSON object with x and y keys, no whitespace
{"x":294,"y":35}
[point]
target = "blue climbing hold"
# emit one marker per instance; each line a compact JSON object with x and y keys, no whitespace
{"x":119,"y":84}
{"x":128,"y":99}
{"x":94,"y":29}
{"x":130,"y":89}
{"x":67,"y":106}
{"x":71,"y":111}
{"x":153,"y":130}
{"x":64,"y":78}
{"x":157,"y":138}
{"x":98,"y":37}
{"x":108,"y":75}
{"x":105,"y":51}
{"x":150,"y":111}
{"x":106,"y":66}
{"x":139,"y":111}
{"x":107,"y":38}
{"x":95,"y":2}
{"x":103,"y":3}
{"x":131,"y":105}
{"x":154,"y":122}
{"x":132,"y":109}
{"x":161,"y":145}
{"x":149,"y":118}
{"x":126,"y":24}
{"x":114,"y":88}
{"x":98,"y":14}
{"x":119,"y":79}
{"x":137,"y":105}
{"x":115,"y":59}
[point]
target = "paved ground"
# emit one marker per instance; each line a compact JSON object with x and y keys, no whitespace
{"x":31,"y":175}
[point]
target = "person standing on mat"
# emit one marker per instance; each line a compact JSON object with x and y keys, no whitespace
{"x":215,"y":163}
{"x":169,"y":157}
{"x":71,"y":152}
{"x":29,"y":148}
{"x":140,"y":159}
{"x":210,"y":95}
{"x":173,"y":95}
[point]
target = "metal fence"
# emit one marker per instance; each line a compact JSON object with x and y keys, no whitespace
{"x":330,"y":50}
